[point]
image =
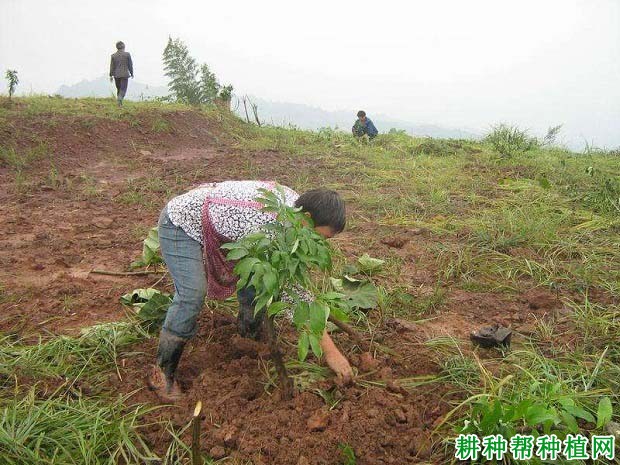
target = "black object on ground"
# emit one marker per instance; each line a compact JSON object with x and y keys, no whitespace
{"x":491,"y":336}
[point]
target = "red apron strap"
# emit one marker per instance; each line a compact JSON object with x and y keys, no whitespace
{"x":221,"y":279}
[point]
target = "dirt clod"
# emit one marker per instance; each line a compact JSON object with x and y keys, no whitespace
{"x":400,"y":415}
{"x":217,"y":452}
{"x":395,"y":387}
{"x":421,"y":445}
{"x":318,"y":421}
{"x":227,"y":435}
{"x":395,"y":242}
{"x":367,"y":362}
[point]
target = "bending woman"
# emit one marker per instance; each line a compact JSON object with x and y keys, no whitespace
{"x":192,"y":227}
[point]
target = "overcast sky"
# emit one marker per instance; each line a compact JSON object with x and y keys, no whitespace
{"x":466,"y":64}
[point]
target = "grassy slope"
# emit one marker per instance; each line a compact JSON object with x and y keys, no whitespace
{"x":547,"y":218}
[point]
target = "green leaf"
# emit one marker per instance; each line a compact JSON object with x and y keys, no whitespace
{"x":301,"y":314}
{"x":295,"y":245}
{"x":492,"y":416}
{"x":339,"y":314}
{"x":337,"y":284}
{"x":244,"y":267}
{"x":276,"y":308}
{"x":570,"y":422}
{"x":263,"y":302}
{"x":149,"y":304}
{"x":368,"y":264}
{"x":363,"y":297}
{"x":333,"y":296}
{"x":155,"y":309}
{"x":521,"y":409}
{"x":254,"y":237}
{"x":347,"y":454}
{"x":270,"y":281}
{"x":236,"y":254}
{"x":303,"y":345}
{"x":580,"y":413}
{"x":138,"y":296}
{"x":318,"y":317}
{"x":315,"y":344}
{"x":538,"y":414}
{"x":350,"y":269}
{"x":564,"y":401}
{"x":604,"y":413}
{"x":232,"y":245}
{"x":151,"y":244}
{"x":150,"y":250}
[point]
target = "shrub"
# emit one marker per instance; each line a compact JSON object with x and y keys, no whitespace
{"x":509,"y":141}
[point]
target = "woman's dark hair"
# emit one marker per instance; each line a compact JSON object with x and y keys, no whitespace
{"x":120,"y":45}
{"x":326,"y":208}
{"x":361,"y":114}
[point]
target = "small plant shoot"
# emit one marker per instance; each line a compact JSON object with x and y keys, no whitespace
{"x":150,"y":251}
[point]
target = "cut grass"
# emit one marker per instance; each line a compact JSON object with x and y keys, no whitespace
{"x":65,"y":357}
{"x":62,"y":430}
{"x":66,"y":425}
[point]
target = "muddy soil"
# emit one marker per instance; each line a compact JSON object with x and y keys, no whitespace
{"x":88,"y":204}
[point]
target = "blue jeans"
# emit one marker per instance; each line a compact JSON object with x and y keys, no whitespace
{"x":183,"y":257}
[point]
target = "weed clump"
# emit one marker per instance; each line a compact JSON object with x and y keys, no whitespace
{"x":509,"y":141}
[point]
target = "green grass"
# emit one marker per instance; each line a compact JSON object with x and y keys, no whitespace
{"x":55,"y":408}
{"x":19,"y":160}
{"x":84,"y":108}
{"x":69,"y":357}
{"x":62,"y":430}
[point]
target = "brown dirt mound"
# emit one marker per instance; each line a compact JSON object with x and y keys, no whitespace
{"x":246,"y":418}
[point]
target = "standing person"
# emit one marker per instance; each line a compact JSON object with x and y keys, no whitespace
{"x":121,"y":69}
{"x":364,"y":125}
{"x":192,"y":227}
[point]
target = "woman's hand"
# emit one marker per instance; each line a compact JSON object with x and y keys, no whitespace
{"x":336,"y":361}
{"x":340,"y":365}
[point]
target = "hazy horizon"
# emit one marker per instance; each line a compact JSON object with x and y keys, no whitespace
{"x":461,"y":65}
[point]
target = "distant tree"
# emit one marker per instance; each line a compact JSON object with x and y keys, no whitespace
{"x":189,"y":82}
{"x":224,"y":97}
{"x":551,"y":136}
{"x":226,"y":92}
{"x":13,"y":80}
{"x":209,"y":87}
{"x":182,"y":70}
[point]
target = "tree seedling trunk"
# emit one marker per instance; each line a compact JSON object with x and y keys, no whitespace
{"x":196,"y":457}
{"x":245,"y":107}
{"x":286,"y":383}
{"x":353,"y":334}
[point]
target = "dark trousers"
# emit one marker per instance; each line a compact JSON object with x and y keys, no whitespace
{"x":121,"y":87}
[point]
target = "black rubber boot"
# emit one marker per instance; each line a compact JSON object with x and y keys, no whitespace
{"x":169,"y":353}
{"x":249,"y":325}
